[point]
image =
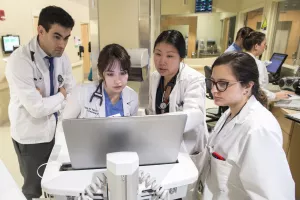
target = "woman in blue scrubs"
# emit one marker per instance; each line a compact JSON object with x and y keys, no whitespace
{"x":108,"y":97}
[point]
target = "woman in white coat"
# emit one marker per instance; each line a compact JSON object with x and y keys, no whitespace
{"x":244,"y":155}
{"x":177,"y":87}
{"x":255,"y":44}
{"x":110,"y":96}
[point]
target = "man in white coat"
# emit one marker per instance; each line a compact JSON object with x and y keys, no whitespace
{"x":39,"y":75}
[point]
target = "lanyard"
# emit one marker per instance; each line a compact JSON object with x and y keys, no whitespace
{"x":166,"y":92}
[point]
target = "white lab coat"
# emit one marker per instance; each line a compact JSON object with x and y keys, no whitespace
{"x":256,"y":166}
{"x":30,"y":113}
{"x":79,"y":105}
{"x":263,"y":77}
{"x":188,"y":95}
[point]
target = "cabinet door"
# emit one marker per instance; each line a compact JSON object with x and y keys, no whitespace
{"x":284,"y":123}
{"x":286,"y":142}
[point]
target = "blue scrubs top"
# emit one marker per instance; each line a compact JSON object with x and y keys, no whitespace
{"x":111,"y":109}
{"x":234,"y":47}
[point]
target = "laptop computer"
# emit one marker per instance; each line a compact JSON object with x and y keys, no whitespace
{"x":155,"y":138}
{"x":277,"y":61}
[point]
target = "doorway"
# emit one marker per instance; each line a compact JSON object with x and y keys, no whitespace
{"x":190,"y":22}
{"x":86,"y":53}
{"x":35,"y":25}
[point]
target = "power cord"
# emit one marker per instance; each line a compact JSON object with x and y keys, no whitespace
{"x":150,"y":183}
{"x":51,"y":162}
{"x":96,"y":189}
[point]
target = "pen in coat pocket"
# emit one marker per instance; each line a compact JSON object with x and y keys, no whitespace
{"x":218,"y":156}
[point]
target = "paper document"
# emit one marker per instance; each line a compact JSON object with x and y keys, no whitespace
{"x":294,"y":97}
{"x":289,"y":104}
{"x":295,"y":116}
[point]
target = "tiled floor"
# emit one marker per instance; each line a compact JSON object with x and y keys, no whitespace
{"x":8,"y":155}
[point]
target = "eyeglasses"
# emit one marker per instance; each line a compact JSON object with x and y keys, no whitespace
{"x":220,"y":85}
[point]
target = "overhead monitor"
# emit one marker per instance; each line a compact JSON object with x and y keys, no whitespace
{"x":203,"y":6}
{"x":10,"y":43}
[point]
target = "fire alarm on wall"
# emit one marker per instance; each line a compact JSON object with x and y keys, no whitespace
{"x":2,"y":15}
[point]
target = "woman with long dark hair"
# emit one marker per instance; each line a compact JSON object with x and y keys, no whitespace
{"x":244,"y":157}
{"x":255,"y":44}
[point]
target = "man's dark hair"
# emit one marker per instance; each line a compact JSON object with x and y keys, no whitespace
{"x":55,"y":15}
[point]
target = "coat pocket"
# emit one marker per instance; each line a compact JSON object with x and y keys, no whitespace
{"x":220,"y":172}
{"x":199,"y":160}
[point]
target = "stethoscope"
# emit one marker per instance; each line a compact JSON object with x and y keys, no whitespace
{"x":60,"y":79}
{"x":165,"y":102}
{"x":33,"y":60}
{"x":98,"y":94}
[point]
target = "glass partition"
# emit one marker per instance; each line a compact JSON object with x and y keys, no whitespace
{"x":254,"y":19}
{"x":287,"y":36}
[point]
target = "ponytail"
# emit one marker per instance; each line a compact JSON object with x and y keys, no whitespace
{"x":252,"y":39}
{"x":260,"y":95}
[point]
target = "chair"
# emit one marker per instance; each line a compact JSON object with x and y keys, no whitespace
{"x":213,"y":114}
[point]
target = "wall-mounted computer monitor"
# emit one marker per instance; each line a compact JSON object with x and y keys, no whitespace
{"x":10,"y":43}
{"x":203,"y":6}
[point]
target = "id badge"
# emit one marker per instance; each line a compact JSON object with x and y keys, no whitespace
{"x":116,"y":115}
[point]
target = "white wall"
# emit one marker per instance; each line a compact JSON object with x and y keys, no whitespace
{"x":19,"y":20}
{"x":118,"y":21}
{"x":173,"y":7}
{"x":224,"y":15}
{"x":183,"y":29}
{"x":209,"y":26}
{"x":248,"y":5}
{"x":226,"y":5}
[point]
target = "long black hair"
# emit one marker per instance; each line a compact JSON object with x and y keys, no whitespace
{"x":252,"y":39}
{"x":174,"y":38}
{"x":243,"y":32}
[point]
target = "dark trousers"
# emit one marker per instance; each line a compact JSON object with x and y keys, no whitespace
{"x":30,"y":157}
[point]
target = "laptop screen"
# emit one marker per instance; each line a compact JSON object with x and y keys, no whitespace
{"x":277,"y":60}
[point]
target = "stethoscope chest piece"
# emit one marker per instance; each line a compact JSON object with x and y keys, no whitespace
{"x":163,"y":105}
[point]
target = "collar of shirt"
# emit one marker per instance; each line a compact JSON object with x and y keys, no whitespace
{"x":237,"y":48}
{"x":251,"y":55}
{"x":113,"y":110}
{"x":171,"y":82}
{"x":42,"y":53}
{"x":107,"y":99}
